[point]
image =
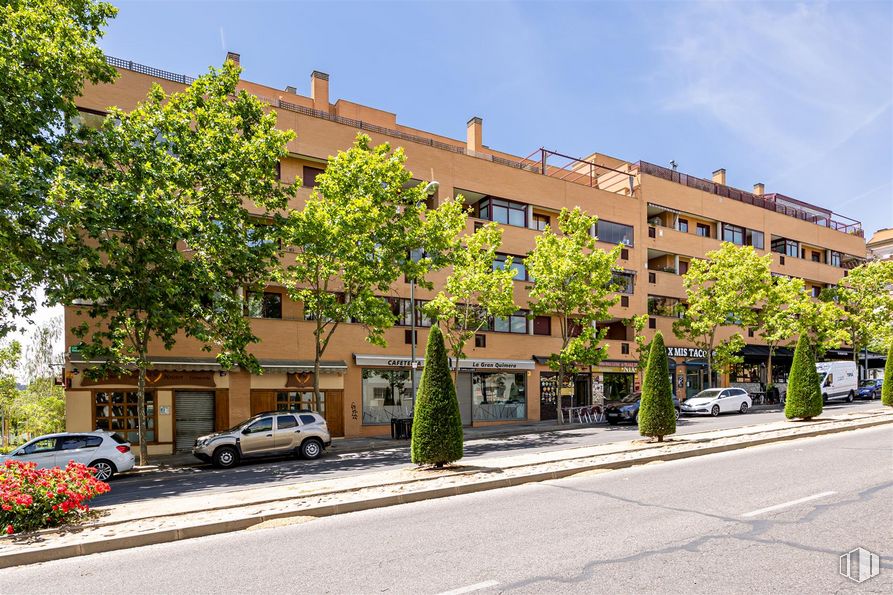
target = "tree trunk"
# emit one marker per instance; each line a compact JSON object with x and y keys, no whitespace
{"x":317,"y":397}
{"x":709,"y":369}
{"x":141,"y":411}
{"x":769,"y":369}
{"x":560,"y":391}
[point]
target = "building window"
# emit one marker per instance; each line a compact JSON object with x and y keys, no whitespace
{"x":665,"y":306}
{"x":480,"y":341}
{"x":614,"y":233}
{"x":498,"y":395}
{"x":278,"y":170}
{"x":266,"y":304}
{"x":624,"y":301}
{"x":755,"y":238}
{"x":402,"y":310}
{"x":542,"y":325}
{"x":816,"y":291}
{"x":516,"y":323}
{"x":386,"y":394}
{"x":683,"y":267}
{"x":816,"y":257}
{"x":624,"y":282}
{"x":703,"y":230}
{"x":682,"y":225}
{"x":652,"y":323}
{"x":652,"y":233}
{"x":733,"y":233}
{"x":118,"y":411}
{"x":624,"y":254}
{"x":310,"y":174}
{"x":517,"y":265}
{"x":540,"y":221}
{"x":624,"y":348}
{"x":652,"y":277}
{"x":503,"y":211}
{"x":787,"y":247}
{"x":297,"y":401}
{"x":834,"y":258}
{"x":409,"y":335}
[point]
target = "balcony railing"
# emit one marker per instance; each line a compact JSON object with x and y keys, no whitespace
{"x":768,"y":201}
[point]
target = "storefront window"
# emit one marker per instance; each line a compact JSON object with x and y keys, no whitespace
{"x":386,"y":394}
{"x":119,"y":412}
{"x":296,"y":400}
{"x":499,"y":395}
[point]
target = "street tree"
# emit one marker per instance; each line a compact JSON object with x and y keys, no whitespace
{"x":475,"y":291}
{"x":657,"y":414}
{"x":574,"y":282}
{"x":437,"y":424}
{"x":643,"y":346}
{"x":48,"y":51}
{"x":804,"y":393}
{"x":353,"y":240}
{"x":160,"y":237}
{"x":865,"y":302}
{"x":722,"y":290}
{"x":887,"y":386}
{"x":9,"y":361}
{"x":776,"y":322}
{"x":819,"y":321}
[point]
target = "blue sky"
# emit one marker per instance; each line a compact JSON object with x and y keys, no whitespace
{"x":796,"y":95}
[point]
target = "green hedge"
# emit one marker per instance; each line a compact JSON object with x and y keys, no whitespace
{"x":657,"y":416}
{"x":887,"y":388}
{"x":437,"y":424}
{"x":804,"y":397}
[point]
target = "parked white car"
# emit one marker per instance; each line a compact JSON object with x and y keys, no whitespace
{"x":107,"y":452}
{"x":714,"y":401}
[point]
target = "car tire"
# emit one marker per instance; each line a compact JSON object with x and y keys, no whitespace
{"x":225,"y":457}
{"x":105,"y":469}
{"x":311,"y":448}
{"x":612,"y":422}
{"x":850,"y":397}
{"x":678,"y":413}
{"x":715,"y":411}
{"x":744,"y":407}
{"x":824,"y":399}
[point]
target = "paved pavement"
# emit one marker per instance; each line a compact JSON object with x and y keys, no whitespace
{"x":203,"y":479}
{"x":765,"y":519}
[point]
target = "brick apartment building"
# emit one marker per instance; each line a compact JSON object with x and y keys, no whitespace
{"x":662,"y":217}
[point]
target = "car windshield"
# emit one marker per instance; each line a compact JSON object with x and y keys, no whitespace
{"x":868,"y":383}
{"x":710,"y":393}
{"x":630,"y":398}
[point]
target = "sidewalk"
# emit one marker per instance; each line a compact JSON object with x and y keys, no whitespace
{"x":171,"y":519}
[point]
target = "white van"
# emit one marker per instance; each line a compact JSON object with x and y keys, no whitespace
{"x":838,"y":380}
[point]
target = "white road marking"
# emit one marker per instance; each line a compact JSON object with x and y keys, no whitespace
{"x":471,"y":588}
{"x":786,"y":504}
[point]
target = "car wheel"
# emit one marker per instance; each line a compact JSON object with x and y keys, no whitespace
{"x":225,"y":457}
{"x":850,"y":397}
{"x":104,"y":470}
{"x":612,"y":422}
{"x":678,"y":413}
{"x":715,"y":411}
{"x":825,"y":399}
{"x":743,"y":407}
{"x":311,"y":448}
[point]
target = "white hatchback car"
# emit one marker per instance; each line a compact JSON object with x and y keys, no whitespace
{"x":106,"y":452}
{"x":714,"y":401}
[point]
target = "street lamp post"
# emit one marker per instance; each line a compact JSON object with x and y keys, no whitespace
{"x":430,"y":189}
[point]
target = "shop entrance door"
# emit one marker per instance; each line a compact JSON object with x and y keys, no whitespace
{"x":334,"y":400}
{"x":194,"y":417}
{"x":582,"y":395}
{"x":548,"y":396}
{"x":694,"y":381}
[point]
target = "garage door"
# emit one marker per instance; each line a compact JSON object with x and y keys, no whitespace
{"x":195,"y":417}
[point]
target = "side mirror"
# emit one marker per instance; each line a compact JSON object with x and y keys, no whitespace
{"x":246,"y":431}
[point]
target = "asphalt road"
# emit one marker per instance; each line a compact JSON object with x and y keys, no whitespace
{"x":766,"y":519}
{"x":204,"y":479}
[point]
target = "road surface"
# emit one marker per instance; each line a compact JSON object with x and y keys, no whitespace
{"x":772,"y":518}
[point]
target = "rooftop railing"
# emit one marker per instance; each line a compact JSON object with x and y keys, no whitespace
{"x":771,"y":202}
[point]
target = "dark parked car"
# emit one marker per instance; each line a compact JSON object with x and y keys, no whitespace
{"x":627,"y":409}
{"x":869,"y":389}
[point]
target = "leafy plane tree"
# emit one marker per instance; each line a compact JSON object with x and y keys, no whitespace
{"x":353,"y":239}
{"x":574,"y":282}
{"x":437,"y":424}
{"x":657,"y":414}
{"x":159,"y":239}
{"x":48,"y":51}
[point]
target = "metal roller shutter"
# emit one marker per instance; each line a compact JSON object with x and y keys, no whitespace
{"x":195,"y":417}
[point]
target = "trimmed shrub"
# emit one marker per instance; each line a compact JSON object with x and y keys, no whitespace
{"x":887,"y":387}
{"x":804,"y":396}
{"x":32,"y":498}
{"x":657,"y":416}
{"x":437,"y":424}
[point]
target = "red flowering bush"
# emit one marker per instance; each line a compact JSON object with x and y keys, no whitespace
{"x":32,"y":498}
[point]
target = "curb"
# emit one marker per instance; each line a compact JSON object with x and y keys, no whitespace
{"x":219,"y":527}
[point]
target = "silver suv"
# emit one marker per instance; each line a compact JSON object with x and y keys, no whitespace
{"x":271,"y":433}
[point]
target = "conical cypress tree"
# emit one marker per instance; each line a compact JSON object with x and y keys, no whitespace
{"x":804,"y":398}
{"x":657,"y":416}
{"x":887,"y":387}
{"x":437,"y":423}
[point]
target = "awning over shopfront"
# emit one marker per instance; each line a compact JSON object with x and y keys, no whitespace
{"x":398,"y":361}
{"x":200,"y":364}
{"x":275,"y":366}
